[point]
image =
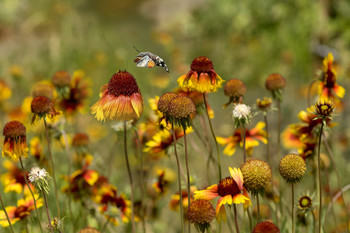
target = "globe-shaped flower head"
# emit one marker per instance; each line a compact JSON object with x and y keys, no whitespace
{"x":235,"y":89}
{"x":120,"y":100}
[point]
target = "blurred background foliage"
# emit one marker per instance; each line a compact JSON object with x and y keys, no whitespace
{"x":245,"y":39}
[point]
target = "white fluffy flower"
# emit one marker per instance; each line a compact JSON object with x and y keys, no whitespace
{"x":37,"y":174}
{"x":120,"y":126}
{"x":241,"y":111}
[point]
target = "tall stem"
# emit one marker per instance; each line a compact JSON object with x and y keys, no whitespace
{"x":31,"y":192}
{"x":279,"y":128}
{"x":250,"y":219}
{"x":319,"y":180}
{"x":7,"y":217}
{"x":47,"y":210}
{"x":258,"y":208}
{"x":244,"y":147}
{"x":130,"y":178}
{"x":188,"y":179}
{"x":53,"y":169}
{"x":236,"y":222}
{"x":293,"y":218}
{"x":268,"y":139}
{"x":141,"y":181}
{"x":179,"y":180}
{"x":212,"y":132}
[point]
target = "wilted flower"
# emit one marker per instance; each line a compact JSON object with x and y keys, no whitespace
{"x":275,"y":83}
{"x":229,"y":190}
{"x":120,"y":100}
{"x":264,"y":104}
{"x":202,"y":76}
{"x":201,"y":213}
{"x":235,"y":89}
{"x":15,"y":144}
{"x":42,"y":107}
{"x":180,"y":110}
{"x":241,"y":114}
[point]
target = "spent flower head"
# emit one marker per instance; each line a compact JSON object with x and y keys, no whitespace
{"x":180,"y":110}
{"x":256,"y":175}
{"x":275,"y":83}
{"x":266,"y":227}
{"x":39,"y":177}
{"x":292,"y":168}
{"x":264,"y":104}
{"x":15,"y":142}
{"x":241,"y":114}
{"x":235,"y":89}
{"x":201,"y":213}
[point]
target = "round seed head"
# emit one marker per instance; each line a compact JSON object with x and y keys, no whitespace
{"x":292,"y":168}
{"x":256,"y":175}
{"x":235,"y":88}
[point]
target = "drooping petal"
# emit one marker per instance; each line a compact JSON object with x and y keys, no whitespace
{"x":207,"y":194}
{"x":236,"y":174}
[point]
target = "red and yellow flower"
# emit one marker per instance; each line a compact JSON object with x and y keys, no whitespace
{"x":253,"y":136}
{"x":15,"y":142}
{"x":13,"y":180}
{"x":230,"y":191}
{"x":202,"y":77}
{"x":120,"y":100}
{"x":21,"y":211}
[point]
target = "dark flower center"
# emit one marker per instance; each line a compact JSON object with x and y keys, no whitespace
{"x":305,"y":202}
{"x":41,"y":105}
{"x":228,"y":186}
{"x":14,"y":129}
{"x":122,"y":83}
{"x":202,"y":64}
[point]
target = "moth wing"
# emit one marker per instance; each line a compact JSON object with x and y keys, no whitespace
{"x":137,"y":59}
{"x":143,"y":62}
{"x":151,"y":63}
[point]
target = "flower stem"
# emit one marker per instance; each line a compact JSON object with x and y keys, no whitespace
{"x":188,"y":179}
{"x":319,"y":180}
{"x":268,"y":140}
{"x":130,"y":178}
{"x":179,"y":180}
{"x":258,"y":208}
{"x":236,"y":222}
{"x":279,"y":127}
{"x":47,"y":210}
{"x":53,"y":169}
{"x":250,"y":219}
{"x":26,"y":180}
{"x":244,"y":147}
{"x":141,"y":181}
{"x":7,"y":217}
{"x":212,"y":132}
{"x":293,"y":218}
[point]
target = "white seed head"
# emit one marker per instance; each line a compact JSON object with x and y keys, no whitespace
{"x":241,"y":111}
{"x":119,"y":127}
{"x":37,"y":174}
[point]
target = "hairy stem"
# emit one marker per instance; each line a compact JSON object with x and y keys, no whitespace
{"x":7,"y":217}
{"x":47,"y":210}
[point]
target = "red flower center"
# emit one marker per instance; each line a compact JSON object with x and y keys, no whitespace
{"x":14,"y":129}
{"x":41,"y":105}
{"x":122,"y":83}
{"x":202,"y":64}
{"x":228,"y":186}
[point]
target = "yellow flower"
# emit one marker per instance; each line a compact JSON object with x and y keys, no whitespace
{"x":5,"y":91}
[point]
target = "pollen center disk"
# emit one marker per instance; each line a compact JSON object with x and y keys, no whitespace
{"x":228,"y":186}
{"x":122,"y":83}
{"x":202,"y":64}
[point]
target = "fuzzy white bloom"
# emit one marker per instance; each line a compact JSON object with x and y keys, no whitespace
{"x":120,"y":125}
{"x":37,"y":174}
{"x":241,"y":111}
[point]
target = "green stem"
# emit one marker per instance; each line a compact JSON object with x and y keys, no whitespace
{"x":36,"y":208}
{"x":268,"y":139}
{"x":141,"y":181}
{"x":279,"y":127}
{"x":236,"y":222}
{"x":244,"y":147}
{"x":7,"y":217}
{"x":258,"y":208}
{"x":319,"y":180}
{"x":250,"y":219}
{"x":47,"y":210}
{"x":188,"y":179}
{"x":213,"y":134}
{"x":130,"y":178}
{"x":179,"y":180}
{"x":53,"y":169}
{"x":293,"y":218}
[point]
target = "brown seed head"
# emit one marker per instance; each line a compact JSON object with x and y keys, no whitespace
{"x":292,"y":168}
{"x":256,"y":175}
{"x":61,"y":79}
{"x":41,"y":105}
{"x":274,"y":82}
{"x":81,"y":139}
{"x":164,"y":100}
{"x":235,"y":88}
{"x":202,"y":64}
{"x":266,"y":227}
{"x":201,"y":212}
{"x":181,"y":107}
{"x":123,"y":83}
{"x":14,"y":129}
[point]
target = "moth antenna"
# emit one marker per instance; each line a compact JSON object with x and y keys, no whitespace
{"x":136,"y":49}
